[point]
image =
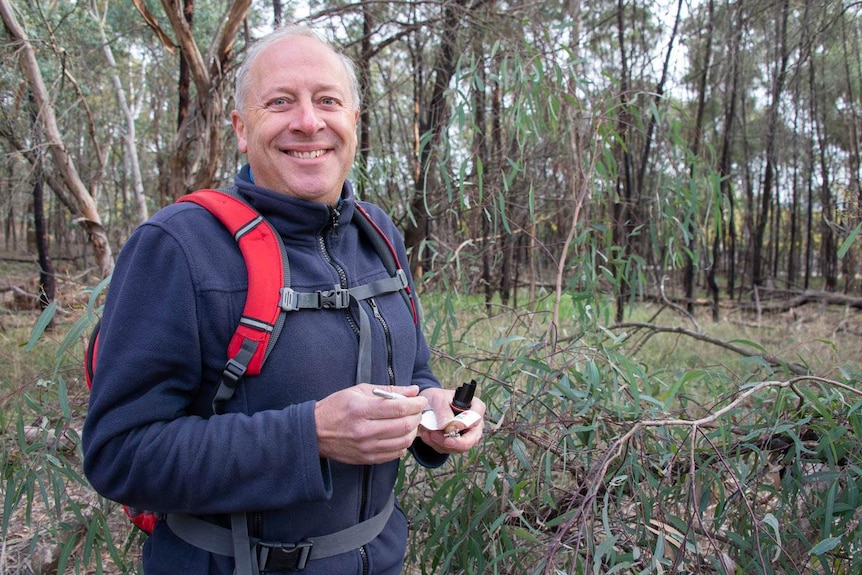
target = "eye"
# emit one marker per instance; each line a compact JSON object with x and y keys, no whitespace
{"x":278,"y":103}
{"x":330,"y":101}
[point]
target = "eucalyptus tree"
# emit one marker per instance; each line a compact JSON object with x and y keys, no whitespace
{"x":63,"y":158}
{"x":197,"y":149}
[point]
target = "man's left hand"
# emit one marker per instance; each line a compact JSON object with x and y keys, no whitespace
{"x":439,"y":400}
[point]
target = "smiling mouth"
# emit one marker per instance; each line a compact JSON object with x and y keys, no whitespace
{"x":306,"y":155}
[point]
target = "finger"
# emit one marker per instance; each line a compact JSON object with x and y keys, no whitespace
{"x":396,"y":404}
{"x":393,"y":427}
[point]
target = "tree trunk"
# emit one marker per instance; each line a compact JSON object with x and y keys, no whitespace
{"x":47,"y":283}
{"x":276,"y":13}
{"x":130,"y":140}
{"x":725,"y":161}
{"x":772,"y":121}
{"x":854,"y":156}
{"x":364,"y":71}
{"x":622,"y":208}
{"x":481,"y":162}
{"x":697,"y":139}
{"x":184,"y":80}
{"x":828,"y":259}
{"x":809,"y":220}
{"x":793,"y":241}
{"x":430,"y":123}
{"x":197,"y":145}
{"x":89,"y":215}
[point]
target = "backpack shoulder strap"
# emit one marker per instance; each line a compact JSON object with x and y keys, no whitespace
{"x":386,"y":251}
{"x":268,"y":272}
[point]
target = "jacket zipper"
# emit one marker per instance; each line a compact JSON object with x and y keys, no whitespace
{"x":334,"y":215}
{"x":363,"y":554}
{"x":390,"y":370}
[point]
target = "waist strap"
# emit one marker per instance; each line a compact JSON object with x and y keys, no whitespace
{"x":220,"y":540}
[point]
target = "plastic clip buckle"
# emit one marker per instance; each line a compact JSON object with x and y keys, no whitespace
{"x":402,"y":277}
{"x":289,"y":300}
{"x":274,"y":556}
{"x":333,"y":299}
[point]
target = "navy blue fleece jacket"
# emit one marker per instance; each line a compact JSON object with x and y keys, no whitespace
{"x":150,"y":440}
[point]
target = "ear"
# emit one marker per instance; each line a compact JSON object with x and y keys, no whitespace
{"x":239,"y":129}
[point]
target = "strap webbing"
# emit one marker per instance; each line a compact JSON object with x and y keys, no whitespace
{"x":369,"y":290}
{"x":222,"y":541}
{"x":340,"y":298}
{"x":241,"y":544}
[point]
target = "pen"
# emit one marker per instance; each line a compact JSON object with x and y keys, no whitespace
{"x":429,"y":420}
{"x":387,"y":394}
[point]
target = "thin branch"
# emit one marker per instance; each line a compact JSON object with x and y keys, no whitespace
{"x":794,"y":368}
{"x":618,"y":447}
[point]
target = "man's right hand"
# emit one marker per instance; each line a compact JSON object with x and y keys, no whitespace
{"x":356,"y":427}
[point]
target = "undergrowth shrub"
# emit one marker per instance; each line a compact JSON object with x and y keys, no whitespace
{"x":53,"y":522}
{"x":594,"y":461}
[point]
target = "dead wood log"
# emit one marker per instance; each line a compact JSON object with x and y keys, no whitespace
{"x":778,"y":301}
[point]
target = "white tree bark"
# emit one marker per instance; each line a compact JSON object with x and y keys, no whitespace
{"x":129,"y":138}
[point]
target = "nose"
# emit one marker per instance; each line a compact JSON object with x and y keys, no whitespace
{"x":306,"y":118}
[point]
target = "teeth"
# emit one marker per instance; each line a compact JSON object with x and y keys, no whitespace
{"x":307,"y":155}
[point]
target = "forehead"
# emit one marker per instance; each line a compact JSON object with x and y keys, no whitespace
{"x":299,"y":58}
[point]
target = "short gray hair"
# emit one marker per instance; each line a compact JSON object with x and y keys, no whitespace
{"x":289,"y":31}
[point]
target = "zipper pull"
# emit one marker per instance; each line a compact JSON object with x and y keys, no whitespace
{"x":334,"y":216}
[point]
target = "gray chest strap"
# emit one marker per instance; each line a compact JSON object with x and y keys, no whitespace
{"x":261,"y":556}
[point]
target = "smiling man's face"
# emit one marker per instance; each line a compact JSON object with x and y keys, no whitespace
{"x":298,"y":123}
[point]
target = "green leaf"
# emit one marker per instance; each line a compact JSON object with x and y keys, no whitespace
{"x":825,"y":546}
{"x":44,"y":319}
{"x":63,"y":398}
{"x":772,"y":522}
{"x":520,"y":451}
{"x":851,"y":237}
{"x":749,"y":343}
{"x":522,"y":533}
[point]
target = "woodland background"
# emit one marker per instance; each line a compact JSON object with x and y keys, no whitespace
{"x":566,"y":175}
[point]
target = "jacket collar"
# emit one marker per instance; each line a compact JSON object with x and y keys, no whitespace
{"x":294,"y":217}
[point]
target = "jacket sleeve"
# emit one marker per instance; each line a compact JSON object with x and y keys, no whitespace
{"x":145,"y":444}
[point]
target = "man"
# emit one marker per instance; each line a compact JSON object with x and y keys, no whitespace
{"x":302,"y":451}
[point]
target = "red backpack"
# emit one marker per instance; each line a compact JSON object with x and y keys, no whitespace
{"x":263,"y":315}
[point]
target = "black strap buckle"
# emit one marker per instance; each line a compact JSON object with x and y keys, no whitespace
{"x":275,"y":556}
{"x":233,"y":371}
{"x":337,"y":298}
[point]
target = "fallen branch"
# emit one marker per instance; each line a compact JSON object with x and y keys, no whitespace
{"x":800,"y":299}
{"x":616,"y":449}
{"x":794,"y":368}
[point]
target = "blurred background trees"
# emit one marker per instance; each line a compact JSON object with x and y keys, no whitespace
{"x":708,"y":146}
